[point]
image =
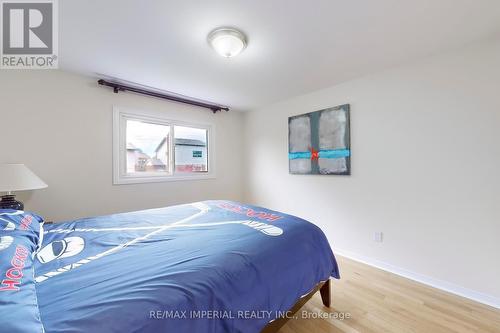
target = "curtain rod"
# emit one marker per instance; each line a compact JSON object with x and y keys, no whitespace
{"x":117,"y":87}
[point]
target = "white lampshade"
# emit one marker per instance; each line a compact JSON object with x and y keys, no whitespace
{"x":17,"y":177}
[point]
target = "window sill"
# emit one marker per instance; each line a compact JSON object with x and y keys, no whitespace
{"x":123,"y":180}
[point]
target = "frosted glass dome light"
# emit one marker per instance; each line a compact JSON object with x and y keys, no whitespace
{"x":227,"y":42}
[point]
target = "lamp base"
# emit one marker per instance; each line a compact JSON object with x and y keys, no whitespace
{"x":9,"y":202}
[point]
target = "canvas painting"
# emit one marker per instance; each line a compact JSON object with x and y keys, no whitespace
{"x":319,"y":142}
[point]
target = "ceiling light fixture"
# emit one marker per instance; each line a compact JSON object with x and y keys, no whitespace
{"x":227,"y":42}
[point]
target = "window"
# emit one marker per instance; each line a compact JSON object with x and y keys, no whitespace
{"x":149,"y":148}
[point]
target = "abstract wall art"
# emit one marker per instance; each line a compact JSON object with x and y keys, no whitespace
{"x":319,"y":142}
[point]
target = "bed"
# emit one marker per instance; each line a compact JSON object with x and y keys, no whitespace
{"x":211,"y":266}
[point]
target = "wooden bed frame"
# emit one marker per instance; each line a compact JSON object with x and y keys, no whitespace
{"x":324,"y":289}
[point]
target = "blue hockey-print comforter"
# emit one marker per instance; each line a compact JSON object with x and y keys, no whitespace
{"x":212,"y":266}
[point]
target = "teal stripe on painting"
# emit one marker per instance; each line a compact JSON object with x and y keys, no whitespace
{"x":327,"y":153}
{"x":334,"y":153}
{"x":297,"y":155}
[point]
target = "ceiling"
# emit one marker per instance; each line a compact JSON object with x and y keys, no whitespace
{"x":294,"y":46}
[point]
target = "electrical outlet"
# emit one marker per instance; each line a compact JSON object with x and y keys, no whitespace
{"x":378,"y":237}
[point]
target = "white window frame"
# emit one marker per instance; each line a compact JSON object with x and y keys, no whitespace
{"x":120,"y":175}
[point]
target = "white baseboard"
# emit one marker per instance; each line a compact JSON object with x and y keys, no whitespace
{"x":427,"y":280}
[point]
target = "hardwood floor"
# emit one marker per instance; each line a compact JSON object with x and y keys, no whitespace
{"x":379,"y":301}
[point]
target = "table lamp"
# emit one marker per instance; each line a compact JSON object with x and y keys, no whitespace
{"x":16,"y":177}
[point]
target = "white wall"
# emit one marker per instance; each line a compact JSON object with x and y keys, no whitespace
{"x":425,"y":170}
{"x":59,"y":124}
